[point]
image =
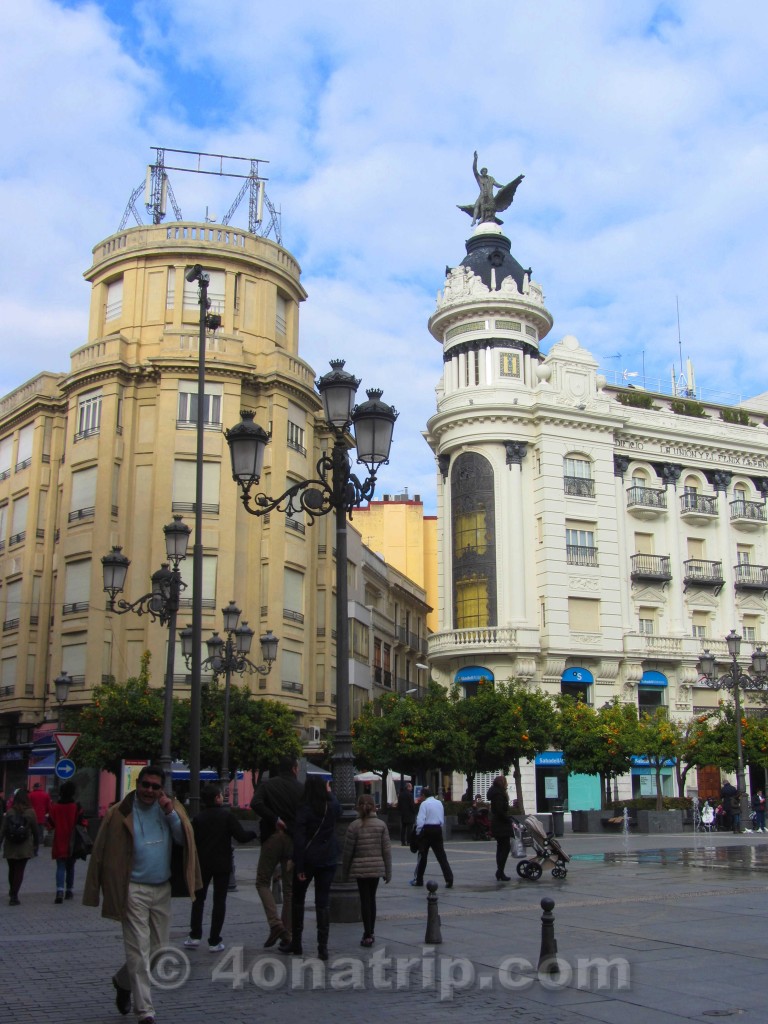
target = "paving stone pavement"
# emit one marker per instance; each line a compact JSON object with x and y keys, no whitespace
{"x":680,"y":920}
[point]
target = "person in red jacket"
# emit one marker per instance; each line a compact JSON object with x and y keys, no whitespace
{"x":41,"y":805}
{"x":62,"y":817}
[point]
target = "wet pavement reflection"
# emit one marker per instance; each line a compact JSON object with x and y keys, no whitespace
{"x":729,"y":858}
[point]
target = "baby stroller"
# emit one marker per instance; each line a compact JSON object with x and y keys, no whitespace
{"x":479,"y":822}
{"x":545,"y":848}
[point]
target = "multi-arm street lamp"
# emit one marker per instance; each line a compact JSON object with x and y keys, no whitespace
{"x":734,"y":681}
{"x":228,"y":656}
{"x":336,"y":488}
{"x":162,"y":603}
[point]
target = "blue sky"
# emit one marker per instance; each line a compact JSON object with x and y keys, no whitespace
{"x":640,"y":128}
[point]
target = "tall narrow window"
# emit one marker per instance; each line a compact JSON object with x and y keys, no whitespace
{"x":293,"y":599}
{"x":216,"y":287}
{"x":19,"y":519}
{"x":281,"y":315}
{"x":88,"y":414}
{"x":77,"y":586}
{"x":6,"y":454}
{"x":187,"y":407}
{"x":83,"y":501}
{"x":12,"y":605}
{"x":474,"y":549}
{"x":184,"y":487}
{"x":291,"y":671}
{"x":114,"y":299}
{"x":577,"y":477}
{"x":24,"y":451}
{"x":700,"y":625}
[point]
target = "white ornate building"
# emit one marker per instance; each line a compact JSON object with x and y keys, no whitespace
{"x":593,"y":539}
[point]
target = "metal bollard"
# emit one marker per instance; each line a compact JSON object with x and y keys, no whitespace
{"x":548,"y":955}
{"x":433,"y":936}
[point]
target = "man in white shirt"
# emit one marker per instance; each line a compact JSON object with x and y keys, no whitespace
{"x":429,"y":829}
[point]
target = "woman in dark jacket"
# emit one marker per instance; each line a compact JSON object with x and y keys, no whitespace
{"x":501,"y":824}
{"x":18,"y":851}
{"x":315,"y":856}
{"x":215,"y":827}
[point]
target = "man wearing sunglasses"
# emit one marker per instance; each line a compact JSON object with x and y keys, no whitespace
{"x":131,"y":867}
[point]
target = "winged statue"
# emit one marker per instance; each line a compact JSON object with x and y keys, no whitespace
{"x":488,"y":203}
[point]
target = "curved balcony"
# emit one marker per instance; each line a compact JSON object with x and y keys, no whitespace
{"x":748,"y":515}
{"x":482,"y":640}
{"x":646,"y":502}
{"x":698,"y":508}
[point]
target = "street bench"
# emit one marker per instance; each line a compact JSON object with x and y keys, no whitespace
{"x":618,"y":822}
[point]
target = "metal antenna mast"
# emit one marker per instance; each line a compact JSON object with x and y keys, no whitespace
{"x":157,"y":191}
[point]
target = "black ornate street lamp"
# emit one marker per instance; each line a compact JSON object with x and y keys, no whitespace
{"x":734,"y":681}
{"x":162,"y":604}
{"x":228,"y":656}
{"x":335,"y":488}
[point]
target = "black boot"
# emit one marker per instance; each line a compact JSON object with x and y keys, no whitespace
{"x":323,"y":928}
{"x":297,"y":927}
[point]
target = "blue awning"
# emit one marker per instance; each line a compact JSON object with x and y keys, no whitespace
{"x":639,"y":761}
{"x":473,"y":674}
{"x":577,"y":676}
{"x":42,"y":760}
{"x":653,"y":678}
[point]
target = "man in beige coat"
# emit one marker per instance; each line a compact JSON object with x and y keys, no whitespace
{"x":131,"y":866}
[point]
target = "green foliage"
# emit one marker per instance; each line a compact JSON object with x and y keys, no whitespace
{"x":687,"y":407}
{"x":636,"y":399}
{"x":597,"y":741}
{"x":410,"y":735}
{"x":649,"y":803}
{"x":658,"y":740}
{"x":261,"y":731}
{"x":124,"y":721}
{"x":740,"y":416}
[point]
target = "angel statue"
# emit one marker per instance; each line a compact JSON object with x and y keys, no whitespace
{"x":488,"y":205}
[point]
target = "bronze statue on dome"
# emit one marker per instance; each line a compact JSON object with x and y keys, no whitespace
{"x":488,"y":204}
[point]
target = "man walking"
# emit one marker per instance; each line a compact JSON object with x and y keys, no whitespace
{"x":429,"y":828}
{"x":276,"y":801}
{"x":131,"y":867}
{"x":406,"y":805}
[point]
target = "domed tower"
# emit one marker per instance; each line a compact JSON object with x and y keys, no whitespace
{"x":490,"y":320}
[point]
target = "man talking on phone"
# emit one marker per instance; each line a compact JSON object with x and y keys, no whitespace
{"x":131,"y":867}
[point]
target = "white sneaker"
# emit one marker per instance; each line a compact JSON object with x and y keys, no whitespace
{"x":191,"y":943}
{"x":216,"y":949}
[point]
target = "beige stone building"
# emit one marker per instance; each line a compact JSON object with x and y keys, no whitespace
{"x":105,"y":455}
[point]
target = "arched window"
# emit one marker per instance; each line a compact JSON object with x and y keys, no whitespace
{"x":577,"y":476}
{"x":474,"y":542}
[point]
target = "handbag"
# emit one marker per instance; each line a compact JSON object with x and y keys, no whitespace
{"x":80,"y":843}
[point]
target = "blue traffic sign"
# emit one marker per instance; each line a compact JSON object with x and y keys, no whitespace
{"x":65,"y":768}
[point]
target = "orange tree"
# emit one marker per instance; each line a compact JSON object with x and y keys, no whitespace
{"x":658,"y":741}
{"x":597,"y":741}
{"x":261,"y":730}
{"x":698,"y":745}
{"x":123,"y":721}
{"x":409,"y":735}
{"x":506,"y":724}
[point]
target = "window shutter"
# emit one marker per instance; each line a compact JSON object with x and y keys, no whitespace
{"x":77,"y":582}
{"x":83,"y":489}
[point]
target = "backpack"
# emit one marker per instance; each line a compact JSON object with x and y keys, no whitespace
{"x":16,"y":829}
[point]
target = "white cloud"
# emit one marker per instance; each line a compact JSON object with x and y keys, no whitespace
{"x":641,"y":129}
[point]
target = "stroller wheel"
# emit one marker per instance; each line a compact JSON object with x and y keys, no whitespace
{"x":534,"y":871}
{"x":522,"y":868}
{"x":559,"y":872}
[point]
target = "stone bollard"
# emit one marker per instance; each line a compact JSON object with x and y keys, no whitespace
{"x":548,"y":955}
{"x":433,"y":936}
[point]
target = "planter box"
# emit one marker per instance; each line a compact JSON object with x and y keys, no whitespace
{"x":656,"y":822}
{"x":588,"y":821}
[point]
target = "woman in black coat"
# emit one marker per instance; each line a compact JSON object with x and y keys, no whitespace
{"x":501,"y":824}
{"x":315,"y":856}
{"x":215,"y":827}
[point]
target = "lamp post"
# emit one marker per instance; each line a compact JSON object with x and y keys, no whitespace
{"x":228,"y":656}
{"x":734,"y":681}
{"x":162,"y":603}
{"x":336,"y":488}
{"x":208,"y":321}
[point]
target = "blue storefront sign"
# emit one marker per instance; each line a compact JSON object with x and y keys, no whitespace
{"x":473,"y":674}
{"x":550,"y":759}
{"x":577,"y":676}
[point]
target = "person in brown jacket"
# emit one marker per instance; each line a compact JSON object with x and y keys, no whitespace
{"x":367,"y":858}
{"x":131,"y":867}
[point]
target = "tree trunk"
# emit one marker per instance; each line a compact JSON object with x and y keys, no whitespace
{"x":605,"y":791}
{"x":659,"y":794}
{"x":518,"y":785}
